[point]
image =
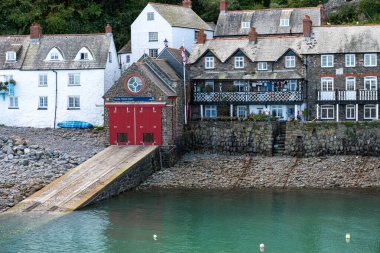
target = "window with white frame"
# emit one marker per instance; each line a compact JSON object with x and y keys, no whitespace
{"x":245,"y":25}
{"x":43,"y":103}
{"x":10,"y":56}
{"x":209,"y":86}
{"x":84,"y":56}
{"x":327,"y":111}
{"x":370,"y":112}
{"x":42,"y":80}
{"x":241,"y":111}
{"x":109,"y":57}
{"x":210,"y":111}
{"x":209,"y":62}
{"x":350,"y":83}
{"x":350,"y":112}
{"x":128,"y":59}
{"x":277,"y":111}
{"x":153,"y":53}
{"x":73,"y":102}
{"x":370,"y":83}
{"x":327,"y":61}
{"x":13,"y":102}
{"x":153,"y":36}
{"x":284,"y":22}
{"x":54,"y":55}
{"x":350,"y":60}
{"x":292,"y":85}
{"x":370,"y":60}
{"x":196,"y":33}
{"x":239,"y":85}
{"x":327,"y":84}
{"x":262,"y":65}
{"x":150,"y":16}
{"x":290,"y":61}
{"x":74,"y":79}
{"x":239,"y":62}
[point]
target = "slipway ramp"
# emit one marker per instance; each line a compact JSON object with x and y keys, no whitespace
{"x":82,"y":184}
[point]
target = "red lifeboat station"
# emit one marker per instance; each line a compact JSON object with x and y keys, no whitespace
{"x":143,"y":107}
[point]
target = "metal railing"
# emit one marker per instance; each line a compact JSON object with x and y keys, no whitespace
{"x":347,"y":95}
{"x":260,"y":96}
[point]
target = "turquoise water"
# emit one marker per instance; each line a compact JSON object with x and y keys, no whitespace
{"x":205,"y":222}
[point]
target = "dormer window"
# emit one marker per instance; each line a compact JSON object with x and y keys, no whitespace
{"x":209,"y":62}
{"x":84,"y":55}
{"x":262,"y":66}
{"x":245,"y":25}
{"x":239,"y":62}
{"x":11,"y":56}
{"x":54,"y":55}
{"x":284,"y":22}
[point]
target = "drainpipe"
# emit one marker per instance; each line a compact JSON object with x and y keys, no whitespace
{"x":56,"y":97}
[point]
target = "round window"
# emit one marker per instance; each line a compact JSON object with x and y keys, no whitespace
{"x":134,"y":84}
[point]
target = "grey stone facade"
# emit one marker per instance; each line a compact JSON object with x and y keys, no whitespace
{"x":339,"y":72}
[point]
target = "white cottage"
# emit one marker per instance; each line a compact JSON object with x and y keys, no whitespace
{"x":47,"y":79}
{"x":160,"y":24}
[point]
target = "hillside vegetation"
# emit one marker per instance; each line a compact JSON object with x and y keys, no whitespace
{"x":78,"y":16}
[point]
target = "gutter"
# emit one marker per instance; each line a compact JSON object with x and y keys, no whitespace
{"x":56,"y":97}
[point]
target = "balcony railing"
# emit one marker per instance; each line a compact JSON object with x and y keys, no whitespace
{"x":261,"y":96}
{"x":348,"y":95}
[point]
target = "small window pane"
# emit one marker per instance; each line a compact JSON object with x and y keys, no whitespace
{"x":150,"y":16}
{"x":153,"y":36}
{"x":122,"y":137}
{"x":153,"y":53}
{"x":148,"y":137}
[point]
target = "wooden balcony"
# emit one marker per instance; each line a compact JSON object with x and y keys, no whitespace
{"x":260,"y":97}
{"x":348,"y":95}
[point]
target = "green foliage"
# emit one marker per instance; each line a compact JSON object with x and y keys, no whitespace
{"x":346,"y":14}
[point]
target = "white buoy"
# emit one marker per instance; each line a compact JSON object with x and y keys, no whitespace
{"x":155,"y":237}
{"x":348,"y":237}
{"x":262,"y":247}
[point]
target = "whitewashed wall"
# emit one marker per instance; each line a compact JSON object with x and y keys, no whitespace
{"x":112,"y":71}
{"x":28,"y":92}
{"x":186,"y":35}
{"x":140,"y":29}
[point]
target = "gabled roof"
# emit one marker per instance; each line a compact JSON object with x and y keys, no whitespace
{"x":266,"y":21}
{"x":343,"y":39}
{"x":266,"y":48}
{"x":18,"y":44}
{"x":69,"y":45}
{"x":179,"y":16}
{"x":126,"y":49}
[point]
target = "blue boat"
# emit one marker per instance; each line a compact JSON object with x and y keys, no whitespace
{"x":75,"y":124}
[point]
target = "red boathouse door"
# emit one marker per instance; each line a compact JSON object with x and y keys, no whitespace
{"x":135,"y":124}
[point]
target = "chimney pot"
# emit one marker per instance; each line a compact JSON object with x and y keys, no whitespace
{"x":35,"y":31}
{"x":223,"y":6}
{"x":307,"y":23}
{"x":108,"y":28}
{"x":186,"y":3}
{"x":252,"y":34}
{"x":201,"y":36}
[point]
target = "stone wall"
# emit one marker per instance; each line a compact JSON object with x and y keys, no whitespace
{"x":236,"y":137}
{"x":132,"y":178}
{"x":331,"y":138}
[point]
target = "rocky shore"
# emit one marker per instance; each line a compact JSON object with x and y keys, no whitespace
{"x":32,"y":158}
{"x":199,"y":171}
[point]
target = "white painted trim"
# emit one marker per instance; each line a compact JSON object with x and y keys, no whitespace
{"x":201,"y":111}
{"x":337,"y":112}
{"x":357,"y":112}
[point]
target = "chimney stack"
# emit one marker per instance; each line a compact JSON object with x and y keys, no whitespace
{"x":201,"y":36}
{"x":108,"y":28}
{"x":223,"y":6}
{"x":322,"y":11}
{"x":252,"y":34}
{"x":307,"y":26}
{"x":35,"y":31}
{"x":186,"y":3}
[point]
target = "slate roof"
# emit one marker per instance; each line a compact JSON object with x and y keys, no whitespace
{"x":69,"y":46}
{"x":179,"y":16}
{"x":343,"y":39}
{"x":266,"y":21}
{"x":126,"y":49}
{"x":266,"y":48}
{"x":18,"y":44}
